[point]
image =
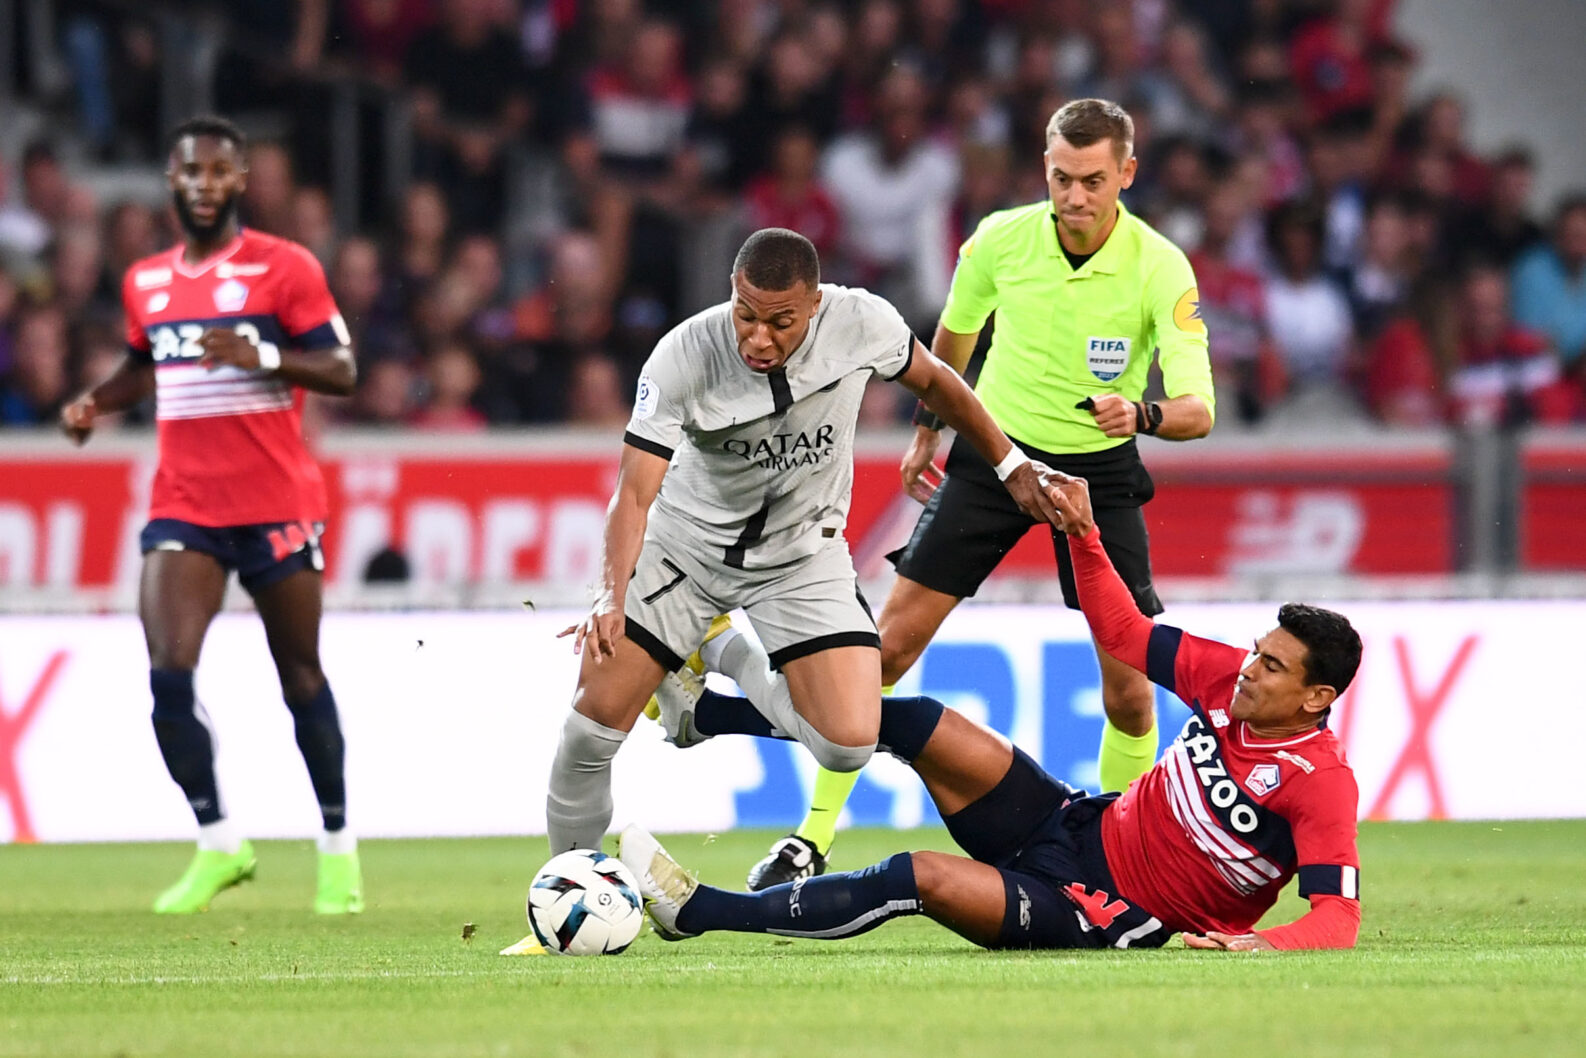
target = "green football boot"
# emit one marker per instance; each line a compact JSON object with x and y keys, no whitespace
{"x":208,"y":874}
{"x":340,"y":884}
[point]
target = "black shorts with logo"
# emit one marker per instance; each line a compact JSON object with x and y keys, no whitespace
{"x":971,"y":522}
{"x":262,"y":555}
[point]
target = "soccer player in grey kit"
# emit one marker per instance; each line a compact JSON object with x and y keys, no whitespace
{"x":733,"y":491}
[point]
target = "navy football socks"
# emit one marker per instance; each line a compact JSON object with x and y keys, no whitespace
{"x":185,"y":740}
{"x":319,"y":738}
{"x":824,"y":907}
{"x":723,"y":714}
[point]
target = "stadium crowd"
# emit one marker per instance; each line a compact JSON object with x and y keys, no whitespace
{"x":583,"y":169}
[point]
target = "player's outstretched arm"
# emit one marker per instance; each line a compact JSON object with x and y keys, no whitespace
{"x":946,"y":394}
{"x":130,"y":382}
{"x":330,"y":370}
{"x":639,"y":479}
{"x":1332,"y":922}
{"x":1115,"y":619}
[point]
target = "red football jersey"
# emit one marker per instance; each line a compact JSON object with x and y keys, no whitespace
{"x":231,"y":441}
{"x":1209,"y":836}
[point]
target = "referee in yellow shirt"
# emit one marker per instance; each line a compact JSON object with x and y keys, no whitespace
{"x":1084,"y":291}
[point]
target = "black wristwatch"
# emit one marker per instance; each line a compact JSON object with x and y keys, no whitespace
{"x":1147,"y":417}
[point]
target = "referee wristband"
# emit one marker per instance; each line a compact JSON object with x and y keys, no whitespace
{"x":927,"y":418}
{"x":1010,"y":462}
{"x":269,"y":356}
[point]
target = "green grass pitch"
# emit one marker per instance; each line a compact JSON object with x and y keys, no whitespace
{"x":1474,"y":943}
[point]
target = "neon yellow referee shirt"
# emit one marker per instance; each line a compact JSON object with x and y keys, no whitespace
{"x":1064,"y":335}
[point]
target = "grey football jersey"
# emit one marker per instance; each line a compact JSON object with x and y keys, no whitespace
{"x":762,"y":463}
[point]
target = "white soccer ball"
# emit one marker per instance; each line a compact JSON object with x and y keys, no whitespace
{"x":584,"y":902}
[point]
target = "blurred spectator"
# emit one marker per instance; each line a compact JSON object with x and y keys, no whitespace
{"x":23,"y":233}
{"x":720,"y":129}
{"x":76,"y":267}
{"x":314,"y":223}
{"x":986,"y":186}
{"x":1505,"y":375}
{"x":1440,"y":131}
{"x":789,"y":195}
{"x":381,"y":32}
{"x":10,"y":305}
{"x":132,"y":232}
{"x":1379,"y":282}
{"x":452,"y":376}
{"x":1174,"y":201}
{"x":893,"y":187}
{"x":48,"y":194}
{"x":1188,"y":93}
{"x":1233,"y":304}
{"x":1330,"y":56}
{"x":423,"y":231}
{"x":114,"y":57}
{"x":267,"y":200}
{"x":638,"y":105}
{"x":793,"y":87}
{"x":385,"y":394}
{"x":38,"y":382}
{"x":597,"y":394}
{"x":1308,"y":316}
{"x":470,"y":97}
{"x":1549,"y":283}
{"x":369,"y":303}
{"x":1500,"y":229}
{"x":1261,"y":132}
{"x":1337,"y":154}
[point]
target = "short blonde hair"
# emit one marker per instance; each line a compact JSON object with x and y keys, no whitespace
{"x":1083,"y":122}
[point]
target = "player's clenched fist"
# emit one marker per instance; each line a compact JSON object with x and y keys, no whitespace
{"x":222,"y":345}
{"x":77,"y":418}
{"x":1071,"y":497}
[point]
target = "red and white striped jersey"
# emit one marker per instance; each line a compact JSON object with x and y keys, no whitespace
{"x":231,"y":441}
{"x":1209,"y":836}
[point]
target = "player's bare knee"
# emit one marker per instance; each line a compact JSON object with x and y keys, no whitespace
{"x":301,"y":683}
{"x":1131,"y":710}
{"x":899,"y":652}
{"x":930,"y":877}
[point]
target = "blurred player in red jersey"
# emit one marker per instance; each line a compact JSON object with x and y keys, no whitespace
{"x":1254,"y":792}
{"x":228,"y":329}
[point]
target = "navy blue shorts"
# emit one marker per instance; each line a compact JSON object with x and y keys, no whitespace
{"x":1044,"y":836}
{"x":262,"y":555}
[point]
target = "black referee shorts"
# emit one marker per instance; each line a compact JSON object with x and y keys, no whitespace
{"x":972,"y":521}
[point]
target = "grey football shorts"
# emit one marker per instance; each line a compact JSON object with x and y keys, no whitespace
{"x":804,"y":607}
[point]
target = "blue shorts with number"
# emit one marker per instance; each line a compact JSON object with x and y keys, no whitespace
{"x":261,"y":555}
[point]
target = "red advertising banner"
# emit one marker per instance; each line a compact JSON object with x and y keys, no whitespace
{"x":1553,"y":505}
{"x":495,"y":509}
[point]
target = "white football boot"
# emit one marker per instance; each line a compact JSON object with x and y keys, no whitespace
{"x":665,"y":885}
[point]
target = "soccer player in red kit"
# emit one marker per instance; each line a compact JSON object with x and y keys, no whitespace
{"x":1255,"y":791}
{"x":228,"y":329}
